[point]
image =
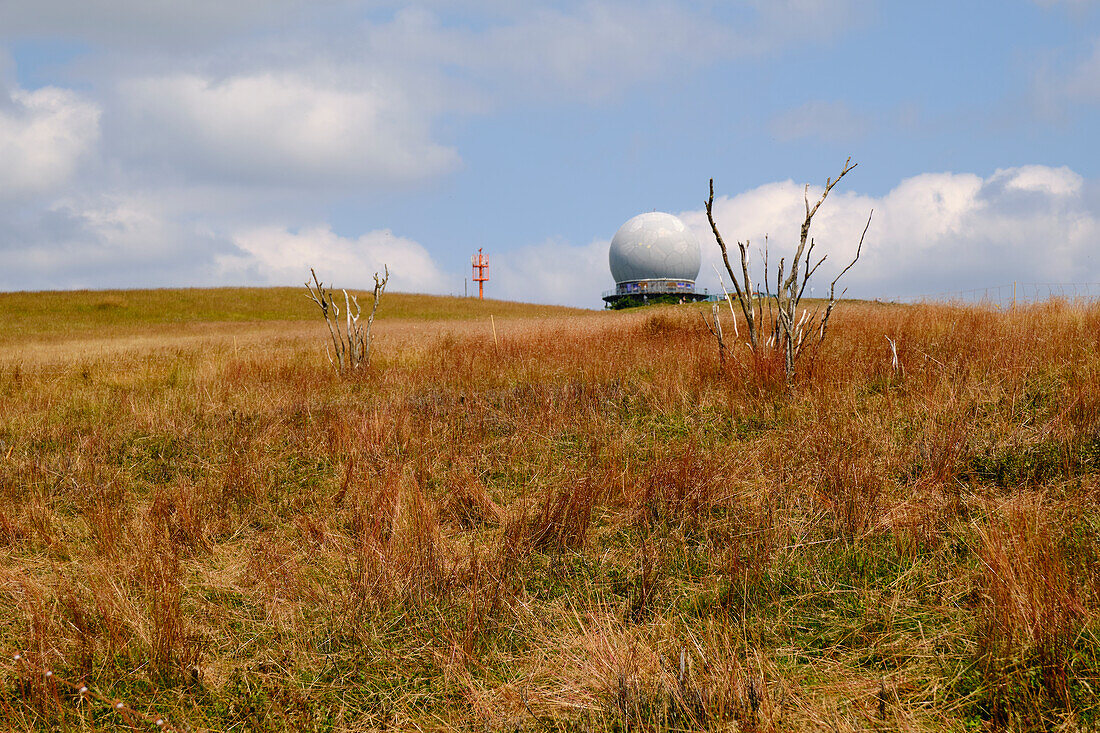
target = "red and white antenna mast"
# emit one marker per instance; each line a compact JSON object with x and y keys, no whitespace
{"x":481,"y":272}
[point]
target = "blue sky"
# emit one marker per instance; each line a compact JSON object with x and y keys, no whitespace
{"x":216,"y":143}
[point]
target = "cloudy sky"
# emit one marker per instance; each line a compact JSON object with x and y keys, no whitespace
{"x":148,"y":143}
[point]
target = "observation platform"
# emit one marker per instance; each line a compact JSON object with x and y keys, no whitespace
{"x":632,"y":293}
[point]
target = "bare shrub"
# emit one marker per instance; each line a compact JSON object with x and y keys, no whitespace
{"x":351,"y":342}
{"x":783,"y":328}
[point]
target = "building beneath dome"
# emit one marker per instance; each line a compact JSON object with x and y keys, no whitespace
{"x":654,"y":258}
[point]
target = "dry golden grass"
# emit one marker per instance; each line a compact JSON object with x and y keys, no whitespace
{"x":580,"y":524}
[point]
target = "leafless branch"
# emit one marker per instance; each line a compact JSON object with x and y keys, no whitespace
{"x":729,"y":300}
{"x":832,"y":287}
{"x":352,"y":347}
{"x":330,"y":311}
{"x":715,"y":329}
{"x":788,"y":329}
{"x":379,"y":288}
{"x":742,"y":285}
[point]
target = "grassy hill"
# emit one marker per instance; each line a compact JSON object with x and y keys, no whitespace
{"x":61,"y":314}
{"x":576,"y":520}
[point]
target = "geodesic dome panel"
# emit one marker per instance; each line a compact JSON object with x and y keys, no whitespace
{"x":654,"y":246}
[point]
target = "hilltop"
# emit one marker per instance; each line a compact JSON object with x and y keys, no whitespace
{"x":61,"y":314}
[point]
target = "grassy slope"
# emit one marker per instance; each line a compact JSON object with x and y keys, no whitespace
{"x":580,"y":524}
{"x":60,"y":315}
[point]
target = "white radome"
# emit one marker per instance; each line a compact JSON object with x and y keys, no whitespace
{"x":654,"y":246}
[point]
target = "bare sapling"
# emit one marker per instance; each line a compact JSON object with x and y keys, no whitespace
{"x":350,"y":343}
{"x":790,"y":330}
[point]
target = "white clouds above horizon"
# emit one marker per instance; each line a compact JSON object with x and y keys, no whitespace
{"x":345,"y":96}
{"x":931,"y":233}
{"x":44,"y":136}
{"x":556,"y":273}
{"x":209,"y":122}
{"x":137,"y":240}
{"x":119,"y":240}
{"x":282,"y":129}
{"x":214,"y":142}
{"x":274,"y":255}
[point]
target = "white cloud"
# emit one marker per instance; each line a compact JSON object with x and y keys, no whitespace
{"x":44,"y":135}
{"x":1057,"y":182}
{"x":932,"y":233}
{"x":132,"y":240}
{"x":107,"y":240}
{"x":553,"y":272}
{"x":283,"y":129}
{"x":276,"y":256}
{"x":286,"y":93}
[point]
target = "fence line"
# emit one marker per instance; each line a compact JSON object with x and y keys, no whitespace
{"x":1013,"y":293}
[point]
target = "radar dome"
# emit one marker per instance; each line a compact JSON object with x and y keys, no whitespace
{"x":654,"y":246}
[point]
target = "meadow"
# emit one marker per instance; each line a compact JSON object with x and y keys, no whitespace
{"x":552,"y":520}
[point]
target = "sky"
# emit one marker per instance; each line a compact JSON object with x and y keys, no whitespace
{"x":148,"y":143}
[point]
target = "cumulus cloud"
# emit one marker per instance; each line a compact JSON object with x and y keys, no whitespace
{"x":110,"y":240}
{"x":44,"y":135}
{"x":556,"y":273}
{"x":277,"y":256}
{"x":282,"y":129}
{"x":145,"y":239}
{"x":933,"y":233}
{"x":348,"y":92}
